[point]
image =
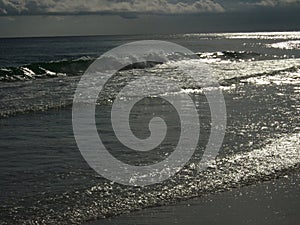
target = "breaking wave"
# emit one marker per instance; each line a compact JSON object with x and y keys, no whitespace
{"x":57,"y":92}
{"x":78,"y":66}
{"x":290,"y":45}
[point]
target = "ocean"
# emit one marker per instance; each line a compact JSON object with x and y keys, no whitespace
{"x":45,"y":180}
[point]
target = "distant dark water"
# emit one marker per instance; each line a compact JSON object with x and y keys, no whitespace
{"x":22,"y":51}
{"x":45,"y":180}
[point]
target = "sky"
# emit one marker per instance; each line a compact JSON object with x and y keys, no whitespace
{"x":22,"y":18}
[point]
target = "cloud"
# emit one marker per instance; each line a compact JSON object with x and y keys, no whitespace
{"x":274,"y":3}
{"x":69,"y":7}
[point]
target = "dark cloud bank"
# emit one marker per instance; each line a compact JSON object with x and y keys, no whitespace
{"x":69,"y":17}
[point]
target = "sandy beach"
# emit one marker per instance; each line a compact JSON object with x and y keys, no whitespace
{"x":275,"y":202}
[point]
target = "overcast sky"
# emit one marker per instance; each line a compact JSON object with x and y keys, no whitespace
{"x":90,"y":17}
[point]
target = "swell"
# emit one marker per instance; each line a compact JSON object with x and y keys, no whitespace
{"x":77,"y":67}
{"x":238,"y":79}
{"x":45,"y":70}
{"x":45,"y":94}
{"x":290,"y":45}
{"x":56,"y":69}
{"x":278,"y":158}
{"x":234,"y":56}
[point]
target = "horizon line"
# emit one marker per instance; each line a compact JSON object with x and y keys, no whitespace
{"x":141,"y":34}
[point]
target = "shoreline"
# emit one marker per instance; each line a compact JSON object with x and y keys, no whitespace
{"x":268,"y":203}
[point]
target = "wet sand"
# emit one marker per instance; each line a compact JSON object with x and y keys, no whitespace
{"x":275,"y":202}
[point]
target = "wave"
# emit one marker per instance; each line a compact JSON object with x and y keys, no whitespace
{"x":276,"y":159}
{"x":78,"y":66}
{"x":289,"y":45}
{"x":45,"y":69}
{"x":227,"y":72}
{"x":230,"y":56}
{"x":238,"y":79}
{"x":44,"y":94}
